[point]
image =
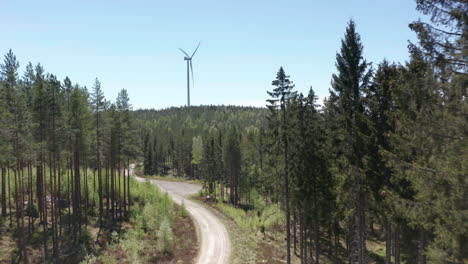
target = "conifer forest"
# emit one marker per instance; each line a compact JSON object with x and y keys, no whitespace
{"x":376,"y":173}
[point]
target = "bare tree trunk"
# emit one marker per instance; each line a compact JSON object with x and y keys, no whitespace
{"x":286,"y":184}
{"x":71,"y":191}
{"x":4,"y":203}
{"x":86,"y":190}
{"x":358,"y":227}
{"x":101,"y":204}
{"x":388,"y":241}
{"x":422,"y":247}
{"x":119,"y":178}
{"x":124,"y":200}
{"x":76,"y":194}
{"x":396,"y":245}
{"x":30,"y":200}
{"x":59,"y":198}
{"x":108,"y":195}
{"x":295,"y":231}
{"x":9,"y":198}
{"x":336,"y":232}
{"x":44,"y":206}
{"x":128,"y":184}
{"x":301,"y":238}
{"x":112,"y":175}
{"x":317,"y":240}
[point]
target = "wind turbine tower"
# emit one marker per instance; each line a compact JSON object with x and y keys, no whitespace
{"x":189,"y":70}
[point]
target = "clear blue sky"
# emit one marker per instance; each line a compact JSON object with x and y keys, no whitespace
{"x":134,"y":44}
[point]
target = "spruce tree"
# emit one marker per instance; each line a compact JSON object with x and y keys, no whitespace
{"x":278,"y":107}
{"x":348,"y":87}
{"x":380,"y":101}
{"x":232,"y":163}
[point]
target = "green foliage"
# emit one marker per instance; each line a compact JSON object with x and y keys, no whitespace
{"x":183,"y":211}
{"x":197,"y":150}
{"x":256,"y":200}
{"x":107,"y":259}
{"x":263,"y":219}
{"x":89,"y":259}
{"x":165,"y":242}
{"x":133,"y":245}
{"x":32,"y":211}
{"x":173,"y":136}
{"x":153,"y":218}
{"x":272,"y":217}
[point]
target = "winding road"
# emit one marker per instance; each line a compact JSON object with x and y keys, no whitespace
{"x":215,"y":246}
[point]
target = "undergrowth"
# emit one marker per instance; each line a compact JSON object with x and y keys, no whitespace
{"x":152,"y":220}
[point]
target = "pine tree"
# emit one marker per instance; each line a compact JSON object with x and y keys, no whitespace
{"x":99,"y":105}
{"x":18,"y":135}
{"x":80,"y":117}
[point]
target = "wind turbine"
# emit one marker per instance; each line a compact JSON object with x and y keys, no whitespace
{"x":189,"y":65}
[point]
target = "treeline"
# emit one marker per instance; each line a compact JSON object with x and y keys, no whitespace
{"x":384,"y":159}
{"x":64,"y":160}
{"x":172,"y":138}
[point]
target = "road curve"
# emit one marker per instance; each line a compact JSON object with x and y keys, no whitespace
{"x":215,"y":246}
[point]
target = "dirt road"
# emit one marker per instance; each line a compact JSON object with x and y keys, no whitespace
{"x":215,"y":246}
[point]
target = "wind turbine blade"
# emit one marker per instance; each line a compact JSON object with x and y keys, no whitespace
{"x":193,"y":79}
{"x":184,"y":52}
{"x":196,"y":49}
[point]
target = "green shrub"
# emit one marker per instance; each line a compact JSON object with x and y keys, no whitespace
{"x":272,"y":216}
{"x":133,"y":245}
{"x":89,"y":259}
{"x":114,"y":237}
{"x":183,"y":210}
{"x":256,"y":200}
{"x":32,"y":211}
{"x":165,"y":242}
{"x":107,"y":259}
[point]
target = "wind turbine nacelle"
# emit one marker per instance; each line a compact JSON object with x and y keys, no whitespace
{"x":185,"y":58}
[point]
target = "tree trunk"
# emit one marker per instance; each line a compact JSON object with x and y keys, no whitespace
{"x":422,"y":248}
{"x":396,"y":245}
{"x":295,"y":231}
{"x":76,"y":193}
{"x":101,"y":204}
{"x":9,"y":198}
{"x":128,"y":184}
{"x":3,"y":198}
{"x":286,"y":184}
{"x":388,"y":241}
{"x":317,"y":241}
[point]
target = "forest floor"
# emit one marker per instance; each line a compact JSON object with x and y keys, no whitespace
{"x":34,"y":243}
{"x":184,"y":252}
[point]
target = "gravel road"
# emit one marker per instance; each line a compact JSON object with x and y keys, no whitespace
{"x":215,"y":246}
